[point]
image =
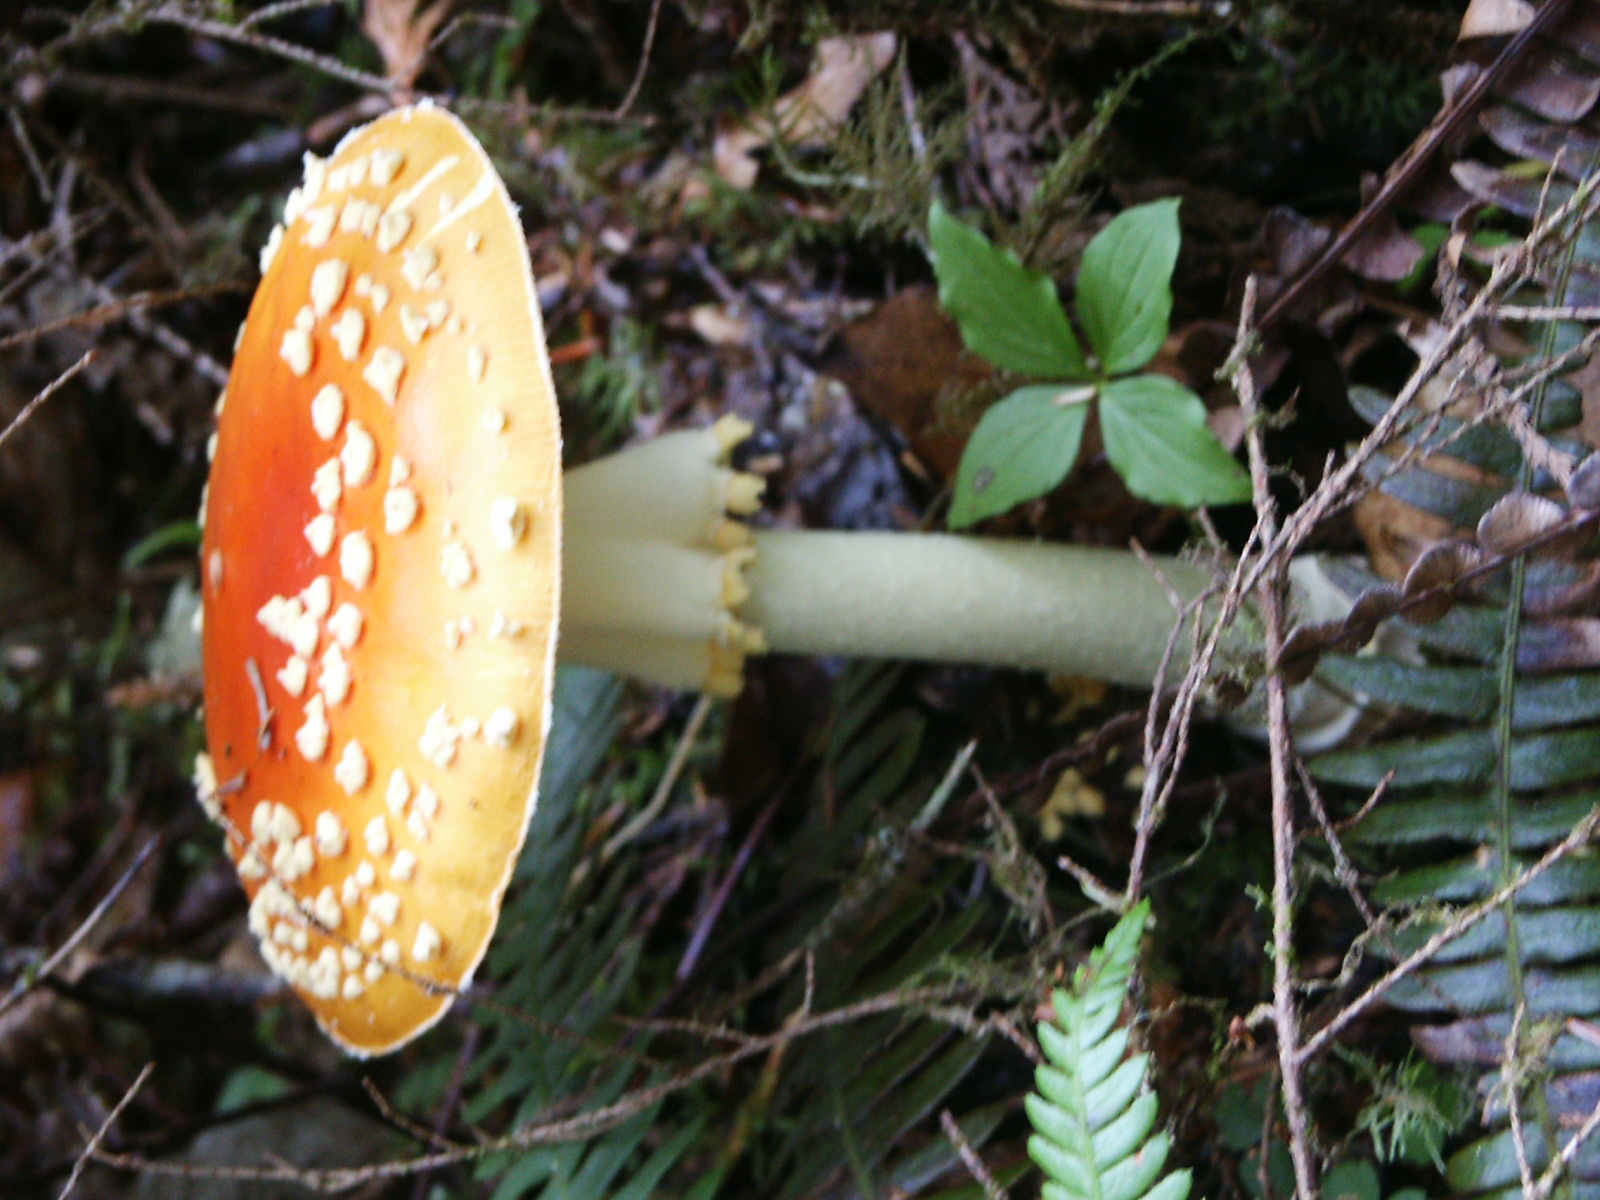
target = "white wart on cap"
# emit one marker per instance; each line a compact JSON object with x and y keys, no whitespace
{"x":374,"y":749}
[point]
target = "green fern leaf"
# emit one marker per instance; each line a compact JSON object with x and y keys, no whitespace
{"x":1094,"y":1117}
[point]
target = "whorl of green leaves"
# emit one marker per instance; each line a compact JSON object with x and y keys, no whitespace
{"x":1094,"y":1116}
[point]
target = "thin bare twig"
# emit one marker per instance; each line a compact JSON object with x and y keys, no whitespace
{"x":283,"y":8}
{"x":399,"y":1120}
{"x":1343,"y":869}
{"x":1271,"y":602}
{"x":1563,"y":1161}
{"x":162,"y":92}
{"x":1146,"y":8}
{"x":1580,"y":835}
{"x":104,"y":313}
{"x":538,"y":1133}
{"x":31,"y":979}
{"x":643,"y":819}
{"x":91,"y":1150}
{"x":50,"y":389}
{"x":644,"y":60}
{"x":1339,"y":487}
{"x":1416,"y":157}
{"x":1510,"y":1079}
{"x":1163,"y":754}
{"x":1548,"y":312}
{"x":240,"y":35}
{"x":969,"y":1158}
{"x":719,"y":898}
{"x":19,"y":132}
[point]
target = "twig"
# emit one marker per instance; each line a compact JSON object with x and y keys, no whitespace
{"x":1417,"y":156}
{"x":1509,"y":1079}
{"x":31,"y":978}
{"x":104,"y":313}
{"x":165,"y":337}
{"x":92,"y":1150}
{"x":1162,"y":754}
{"x":1339,"y":487}
{"x":402,"y":1122}
{"x":538,"y":1133}
{"x":239,"y":35}
{"x":1548,"y":312}
{"x":283,"y":8}
{"x":1580,"y":835}
{"x":1270,"y":596}
{"x":669,"y":780}
{"x":1569,"y":1151}
{"x":644,"y":60}
{"x":448,"y":1102}
{"x":969,"y":1157}
{"x":160,"y":92}
{"x":50,"y":389}
{"x":19,"y":131}
{"x":1343,"y":869}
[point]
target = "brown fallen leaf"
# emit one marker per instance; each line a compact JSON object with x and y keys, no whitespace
{"x":1492,"y":18}
{"x":840,"y":72}
{"x":1072,"y":796}
{"x":898,"y":361}
{"x":1385,"y":252}
{"x":1396,"y":533}
{"x":402,"y":31}
{"x":718,"y":325}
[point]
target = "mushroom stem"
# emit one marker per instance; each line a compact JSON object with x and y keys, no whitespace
{"x":663,"y":584}
{"x":1075,"y":610}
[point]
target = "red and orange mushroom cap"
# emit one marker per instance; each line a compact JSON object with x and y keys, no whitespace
{"x":380,"y":577}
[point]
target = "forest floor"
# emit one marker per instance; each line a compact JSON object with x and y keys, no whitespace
{"x":816,"y":968}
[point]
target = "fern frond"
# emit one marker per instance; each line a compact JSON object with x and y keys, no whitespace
{"x":1094,"y":1115}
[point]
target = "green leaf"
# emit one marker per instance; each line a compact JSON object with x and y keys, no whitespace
{"x":1023,"y":447}
{"x":1007,"y":313}
{"x":1157,"y":439}
{"x":1094,"y":1121}
{"x":1125,"y":285}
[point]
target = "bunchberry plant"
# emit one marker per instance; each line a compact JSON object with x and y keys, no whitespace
{"x":1154,"y":428}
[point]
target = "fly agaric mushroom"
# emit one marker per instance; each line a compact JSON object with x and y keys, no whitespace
{"x":379,"y":577}
{"x":382,"y":533}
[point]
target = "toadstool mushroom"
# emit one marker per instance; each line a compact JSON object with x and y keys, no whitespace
{"x":374,"y":754}
{"x":382,"y":537}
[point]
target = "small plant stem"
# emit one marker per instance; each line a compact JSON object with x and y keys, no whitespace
{"x":1504,"y":805}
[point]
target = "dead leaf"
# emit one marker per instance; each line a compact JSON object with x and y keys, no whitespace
{"x":897,"y":362}
{"x":402,"y":34}
{"x":1554,"y":88}
{"x":718,"y":326}
{"x":1385,"y":252}
{"x":1396,"y":533}
{"x":1491,"y":18}
{"x":840,"y":72}
{"x":1583,"y":489}
{"x":1440,"y":566}
{"x":1571,"y":148}
{"x":1516,"y":519}
{"x":1072,"y":796}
